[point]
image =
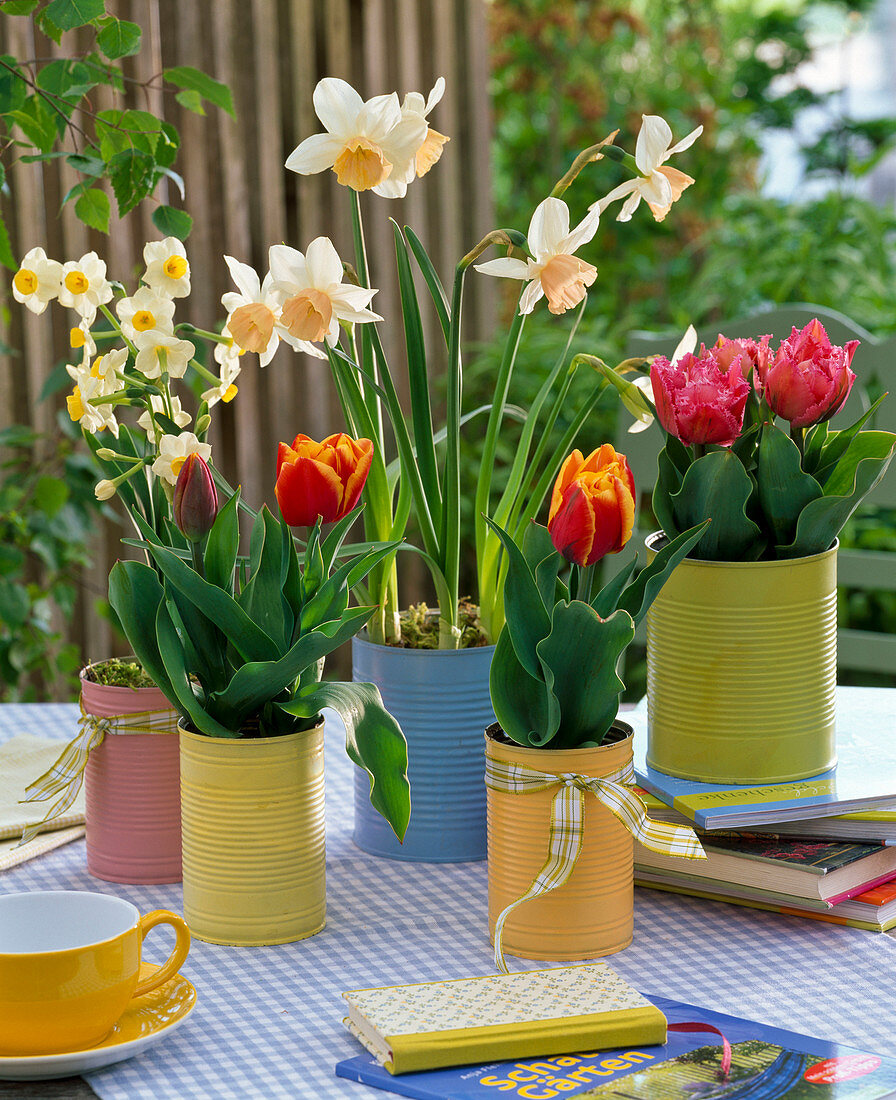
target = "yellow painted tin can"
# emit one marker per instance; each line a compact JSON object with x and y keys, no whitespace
{"x":742,"y":670}
{"x":591,"y":914}
{"x":253,"y":837}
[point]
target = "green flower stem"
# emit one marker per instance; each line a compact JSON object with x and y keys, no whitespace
{"x":203,"y":372}
{"x":589,"y":156}
{"x":216,"y":337}
{"x":798,"y":435}
{"x":363,"y":272}
{"x":449,"y":535}
{"x":113,"y":321}
{"x":493,"y":428}
{"x":489,"y":588}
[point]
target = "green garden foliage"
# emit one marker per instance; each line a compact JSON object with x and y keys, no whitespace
{"x":48,"y":110}
{"x":47,"y":515}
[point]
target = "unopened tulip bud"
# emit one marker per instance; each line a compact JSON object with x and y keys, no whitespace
{"x":195,"y":502}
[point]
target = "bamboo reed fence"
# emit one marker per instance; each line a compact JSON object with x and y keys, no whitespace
{"x":271,"y":53}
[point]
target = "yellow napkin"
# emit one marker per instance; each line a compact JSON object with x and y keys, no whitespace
{"x":22,"y":760}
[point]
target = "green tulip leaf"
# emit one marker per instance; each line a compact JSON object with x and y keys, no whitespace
{"x":262,"y":597}
{"x":668,"y":482}
{"x":257,"y":682}
{"x":222,"y":546}
{"x":836,"y":444}
{"x":373,"y":741}
{"x":640,"y":594}
{"x":249,"y":640}
{"x":314,"y":572}
{"x":784,"y":489}
{"x":717,"y":487}
{"x":543,"y":560}
{"x":528,"y":620}
{"x":607,"y":600}
{"x":136,"y":594}
{"x":524,"y":706}
{"x":812,"y":447}
{"x":580,"y":654}
{"x":178,"y":676}
{"x":208,"y":646}
{"x":858,"y":471}
{"x":331,"y":599}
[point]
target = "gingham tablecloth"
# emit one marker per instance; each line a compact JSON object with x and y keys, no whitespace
{"x":268,"y":1020}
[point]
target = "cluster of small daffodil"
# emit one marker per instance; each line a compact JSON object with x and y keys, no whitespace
{"x":138,"y":374}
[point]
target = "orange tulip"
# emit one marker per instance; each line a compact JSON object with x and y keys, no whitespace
{"x":321,"y":479}
{"x":592,"y":506}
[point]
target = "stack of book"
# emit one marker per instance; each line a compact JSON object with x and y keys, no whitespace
{"x":823,"y":847}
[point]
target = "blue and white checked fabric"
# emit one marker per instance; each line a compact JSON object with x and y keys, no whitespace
{"x":268,"y":1021}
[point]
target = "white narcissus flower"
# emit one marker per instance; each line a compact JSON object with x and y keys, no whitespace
{"x":314,"y":299}
{"x":104,"y":366}
{"x":173,"y":452}
{"x":167,"y":268}
{"x":81,"y":337}
{"x":370,"y":145}
{"x":658,"y":185}
{"x":99,"y":380}
{"x":431,"y":149}
{"x":227,"y":356}
{"x":37,"y":281}
{"x":153,"y":347}
{"x":253,"y":312}
{"x":145,"y":311}
{"x":174,"y":411}
{"x":84,"y":285}
{"x":555,"y":272}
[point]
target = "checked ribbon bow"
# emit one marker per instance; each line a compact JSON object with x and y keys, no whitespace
{"x":567,"y":824}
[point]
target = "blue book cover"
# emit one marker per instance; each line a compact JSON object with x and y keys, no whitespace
{"x":712,"y":1056}
{"x":864,"y":778}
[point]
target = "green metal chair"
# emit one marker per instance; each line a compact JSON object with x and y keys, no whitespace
{"x":861,"y":651}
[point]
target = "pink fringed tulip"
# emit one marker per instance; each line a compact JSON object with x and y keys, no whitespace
{"x":701,"y":399}
{"x":321,"y":479}
{"x":195,"y":503}
{"x":752,"y":355}
{"x":810,"y":378}
{"x":592,"y":506}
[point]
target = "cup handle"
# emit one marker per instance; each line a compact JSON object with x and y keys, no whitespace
{"x":175,"y":959}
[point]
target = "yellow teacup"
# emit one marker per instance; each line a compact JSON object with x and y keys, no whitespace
{"x":69,"y":961}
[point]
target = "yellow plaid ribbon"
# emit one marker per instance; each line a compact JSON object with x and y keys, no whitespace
{"x":65,"y":777}
{"x":567,"y":824}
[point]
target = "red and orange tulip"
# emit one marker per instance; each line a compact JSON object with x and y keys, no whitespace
{"x":592,"y":506}
{"x":321,"y":479}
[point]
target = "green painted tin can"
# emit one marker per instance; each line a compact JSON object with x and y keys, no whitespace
{"x":742,"y":669}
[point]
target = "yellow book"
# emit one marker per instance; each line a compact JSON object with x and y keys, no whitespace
{"x":499,"y":1016}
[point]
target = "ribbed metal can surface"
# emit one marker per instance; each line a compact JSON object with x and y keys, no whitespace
{"x":742,"y":670}
{"x":132,"y":791}
{"x":440,"y":698}
{"x":253,"y":837}
{"x":591,"y":914}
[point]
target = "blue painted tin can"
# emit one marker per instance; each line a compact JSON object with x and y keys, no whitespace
{"x":440,"y":699}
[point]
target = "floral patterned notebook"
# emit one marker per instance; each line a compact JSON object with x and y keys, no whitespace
{"x":535,"y":1012}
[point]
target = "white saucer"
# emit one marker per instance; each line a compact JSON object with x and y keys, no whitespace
{"x":147,"y":1020}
